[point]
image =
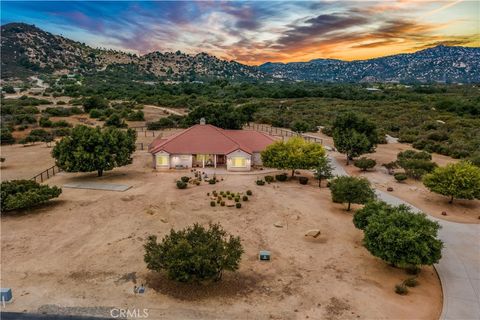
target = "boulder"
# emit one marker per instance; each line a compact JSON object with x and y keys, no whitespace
{"x":314,"y":233}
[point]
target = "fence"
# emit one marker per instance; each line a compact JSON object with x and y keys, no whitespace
{"x":282,"y":132}
{"x":44,"y":175}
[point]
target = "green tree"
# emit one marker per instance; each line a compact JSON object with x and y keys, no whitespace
{"x":6,"y":136}
{"x":94,"y":102}
{"x":93,"y":149}
{"x":351,"y":190}
{"x":9,"y":89}
{"x":115,"y":121}
{"x":22,"y":194}
{"x":402,"y":238}
{"x":354,"y":135}
{"x":323,"y":170}
{"x":456,"y":180}
{"x":194,"y":254}
{"x":299,"y":126}
{"x":224,"y":116}
{"x":415,"y":163}
{"x":295,"y":153}
{"x":365,"y":163}
{"x":361,"y":216}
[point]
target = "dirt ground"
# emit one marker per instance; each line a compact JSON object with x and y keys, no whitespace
{"x":24,"y":162}
{"x":84,"y":250}
{"x":412,"y":191}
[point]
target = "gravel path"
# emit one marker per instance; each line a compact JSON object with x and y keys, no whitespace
{"x":459,"y":268}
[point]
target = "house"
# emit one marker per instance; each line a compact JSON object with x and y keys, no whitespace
{"x":204,"y":145}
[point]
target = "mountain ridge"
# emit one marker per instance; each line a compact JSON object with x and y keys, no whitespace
{"x":27,"y":50}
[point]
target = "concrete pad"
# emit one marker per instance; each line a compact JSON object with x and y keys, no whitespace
{"x":460,"y":309}
{"x":97,"y":186}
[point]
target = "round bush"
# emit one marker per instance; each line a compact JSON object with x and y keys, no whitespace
{"x":249,"y":192}
{"x":212,"y":181}
{"x":238,"y":205}
{"x":260,"y":182}
{"x":245,"y":198}
{"x":269,"y":179}
{"x":281,"y":177}
{"x":222,"y":203}
{"x":400,"y":176}
{"x":303,"y":180}
{"x":365,"y":163}
{"x":181,"y":184}
{"x":237,"y":199}
{"x":212,"y":203}
{"x":185,"y":179}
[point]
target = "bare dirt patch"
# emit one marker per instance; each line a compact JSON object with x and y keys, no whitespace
{"x":87,"y":251}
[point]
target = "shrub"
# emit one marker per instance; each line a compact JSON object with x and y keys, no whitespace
{"x":416,"y":163}
{"x":95,"y":113}
{"x":237,"y":199}
{"x":194,"y":254}
{"x":401,"y":289}
{"x":212,"y":203}
{"x":459,"y":180}
{"x":61,"y":103}
{"x":400,"y":176}
{"x":281,"y":177}
{"x":238,"y":205}
{"x":351,"y":190}
{"x":249,"y":192}
{"x":411,"y":282}
{"x":245,"y":198}
{"x":136,"y":116}
{"x":260,"y":182}
{"x":185,"y":179}
{"x":115,"y":121}
{"x":303,"y":180}
{"x":361,"y":216}
{"x":402,"y":238}
{"x":22,"y":194}
{"x":181,"y":184}
{"x":365,"y":163}
{"x":61,"y":124}
{"x":222,"y":203}
{"x":269,"y":179}
{"x":212,"y":181}
{"x":45,"y":122}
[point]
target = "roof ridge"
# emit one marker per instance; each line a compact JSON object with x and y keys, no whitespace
{"x":169,"y":138}
{"x":240,"y":146}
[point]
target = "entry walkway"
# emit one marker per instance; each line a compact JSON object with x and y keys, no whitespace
{"x":459,"y":268}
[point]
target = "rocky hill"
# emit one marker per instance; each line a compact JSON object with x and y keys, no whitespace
{"x":438,"y":64}
{"x":27,"y":50}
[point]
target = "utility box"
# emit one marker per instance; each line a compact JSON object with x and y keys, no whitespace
{"x":264,"y":255}
{"x":6,"y":295}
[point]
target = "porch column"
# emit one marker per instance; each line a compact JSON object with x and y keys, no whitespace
{"x":203,"y":161}
{"x":214,"y":160}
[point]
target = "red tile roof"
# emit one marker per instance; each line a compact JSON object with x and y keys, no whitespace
{"x":208,"y":139}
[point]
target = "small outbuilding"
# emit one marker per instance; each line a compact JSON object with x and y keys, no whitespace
{"x":204,"y":145}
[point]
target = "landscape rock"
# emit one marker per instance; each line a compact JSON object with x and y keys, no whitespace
{"x":278,"y":224}
{"x":390,"y":189}
{"x":312,"y":233}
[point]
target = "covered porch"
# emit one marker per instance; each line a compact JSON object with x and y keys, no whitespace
{"x":209,"y":160}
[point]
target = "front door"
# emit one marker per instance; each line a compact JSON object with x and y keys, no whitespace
{"x":221,"y":159}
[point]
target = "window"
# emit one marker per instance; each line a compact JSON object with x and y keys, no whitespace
{"x":239,"y":162}
{"x":162,"y":160}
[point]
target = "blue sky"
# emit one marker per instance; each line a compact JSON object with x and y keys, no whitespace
{"x":260,"y":31}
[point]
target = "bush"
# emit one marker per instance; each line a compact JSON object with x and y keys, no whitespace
{"x":269,"y":179}
{"x":181,"y":184}
{"x":303,"y":180}
{"x":136,"y":116}
{"x":212,"y":203}
{"x":400,"y":176}
{"x":245,"y":198}
{"x":61,"y":124}
{"x":212,"y":181}
{"x":401,"y":289}
{"x":416,"y":163}
{"x":238,"y":205}
{"x":237,"y":199}
{"x":361,"y":216}
{"x":45,"y":122}
{"x":260,"y":182}
{"x":365,"y":163}
{"x":411,"y":282}
{"x":61,"y":103}
{"x":22,"y":194}
{"x":194,"y":254}
{"x":222,"y":203}
{"x":351,"y":190}
{"x":95,"y":113}
{"x":115,"y":121}
{"x":249,"y":192}
{"x":185,"y":179}
{"x":281,"y":177}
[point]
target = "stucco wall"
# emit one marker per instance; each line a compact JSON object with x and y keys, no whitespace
{"x":156,"y":165}
{"x":239,"y":153}
{"x":184,"y":160}
{"x":256,"y":159}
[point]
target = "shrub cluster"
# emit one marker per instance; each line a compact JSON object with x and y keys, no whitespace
{"x":23,"y":194}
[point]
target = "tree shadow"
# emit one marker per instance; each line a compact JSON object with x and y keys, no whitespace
{"x":47,"y":206}
{"x":231,"y":284}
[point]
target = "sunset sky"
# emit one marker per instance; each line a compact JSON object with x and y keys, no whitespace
{"x":260,"y":31}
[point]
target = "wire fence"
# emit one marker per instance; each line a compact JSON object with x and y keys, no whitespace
{"x":282,"y":132}
{"x":46,"y":174}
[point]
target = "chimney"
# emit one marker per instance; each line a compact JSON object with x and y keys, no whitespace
{"x":202,"y":121}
